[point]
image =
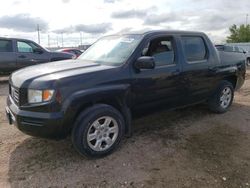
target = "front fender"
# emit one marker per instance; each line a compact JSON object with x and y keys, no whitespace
{"x":84,"y":98}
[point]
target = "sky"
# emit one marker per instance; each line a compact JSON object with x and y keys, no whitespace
{"x":75,"y":22}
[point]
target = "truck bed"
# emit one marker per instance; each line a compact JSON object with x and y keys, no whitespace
{"x":231,"y":57}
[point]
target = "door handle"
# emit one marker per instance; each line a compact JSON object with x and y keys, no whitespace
{"x":22,"y":56}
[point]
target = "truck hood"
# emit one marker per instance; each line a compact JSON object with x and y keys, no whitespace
{"x":54,"y":71}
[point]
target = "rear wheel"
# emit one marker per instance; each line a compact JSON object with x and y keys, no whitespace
{"x":222,"y":98}
{"x":98,"y":131}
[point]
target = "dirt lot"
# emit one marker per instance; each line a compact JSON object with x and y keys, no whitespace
{"x":185,"y":148}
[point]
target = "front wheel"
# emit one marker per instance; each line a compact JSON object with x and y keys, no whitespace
{"x":222,"y":98}
{"x":98,"y":131}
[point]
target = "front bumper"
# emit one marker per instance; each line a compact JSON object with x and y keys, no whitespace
{"x":40,"y":124}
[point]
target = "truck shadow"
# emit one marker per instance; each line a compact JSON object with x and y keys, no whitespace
{"x":37,"y":160}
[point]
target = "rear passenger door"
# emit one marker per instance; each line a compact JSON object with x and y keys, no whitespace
{"x":7,"y":56}
{"x":26,"y":54}
{"x":196,"y":68}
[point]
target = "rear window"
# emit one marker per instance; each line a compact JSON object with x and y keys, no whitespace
{"x":194,"y":48}
{"x":5,"y":46}
{"x":228,"y":48}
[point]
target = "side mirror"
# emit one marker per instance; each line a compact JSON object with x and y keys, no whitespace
{"x":38,"y":50}
{"x":145,"y":62}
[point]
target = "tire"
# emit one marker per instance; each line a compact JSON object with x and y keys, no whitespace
{"x":94,"y":138}
{"x":222,"y":98}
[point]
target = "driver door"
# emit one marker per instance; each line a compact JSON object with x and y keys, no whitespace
{"x":26,"y":54}
{"x":163,"y":84}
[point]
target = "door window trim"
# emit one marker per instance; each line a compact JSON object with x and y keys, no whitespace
{"x":174,"y":47}
{"x":12,"y":47}
{"x":27,"y":42}
{"x":205,"y":60}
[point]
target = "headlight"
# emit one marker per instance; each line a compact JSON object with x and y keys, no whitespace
{"x":37,"y":96}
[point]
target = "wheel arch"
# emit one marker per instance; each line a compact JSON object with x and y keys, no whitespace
{"x":117,"y":97}
{"x":232,"y":79}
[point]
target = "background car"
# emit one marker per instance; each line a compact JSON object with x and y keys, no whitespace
{"x":237,"y":47}
{"x":74,"y":51}
{"x":231,"y":48}
{"x":18,"y":53}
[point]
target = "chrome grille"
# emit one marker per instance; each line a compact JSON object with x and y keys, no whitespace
{"x":15,"y":94}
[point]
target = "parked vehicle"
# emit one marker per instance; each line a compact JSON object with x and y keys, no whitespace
{"x":246,"y":47}
{"x":237,"y":47}
{"x":74,"y":51}
{"x":19,"y":53}
{"x":92,"y":98}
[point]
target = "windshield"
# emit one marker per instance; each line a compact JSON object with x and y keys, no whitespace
{"x":112,"y":50}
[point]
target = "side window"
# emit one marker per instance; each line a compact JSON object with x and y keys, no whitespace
{"x":241,"y":50}
{"x":78,"y":52}
{"x":162,"y":51}
{"x":73,"y":52}
{"x":24,"y":47}
{"x":6,"y":46}
{"x":228,"y":48}
{"x":194,"y":48}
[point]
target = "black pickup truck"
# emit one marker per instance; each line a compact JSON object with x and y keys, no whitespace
{"x":18,"y":53}
{"x":93,"y":97}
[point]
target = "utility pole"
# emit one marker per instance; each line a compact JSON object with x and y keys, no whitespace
{"x":81,"y":38}
{"x":48,"y":41}
{"x":57,"y":44}
{"x":38,"y":33}
{"x":246,"y":20}
{"x":62,"y":39}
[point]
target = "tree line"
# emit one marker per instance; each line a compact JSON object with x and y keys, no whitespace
{"x":239,"y":34}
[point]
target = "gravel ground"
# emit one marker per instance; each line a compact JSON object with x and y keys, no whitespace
{"x":191,"y":147}
{"x":3,"y":79}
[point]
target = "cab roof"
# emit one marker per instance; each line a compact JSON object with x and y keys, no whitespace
{"x":155,"y":32}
